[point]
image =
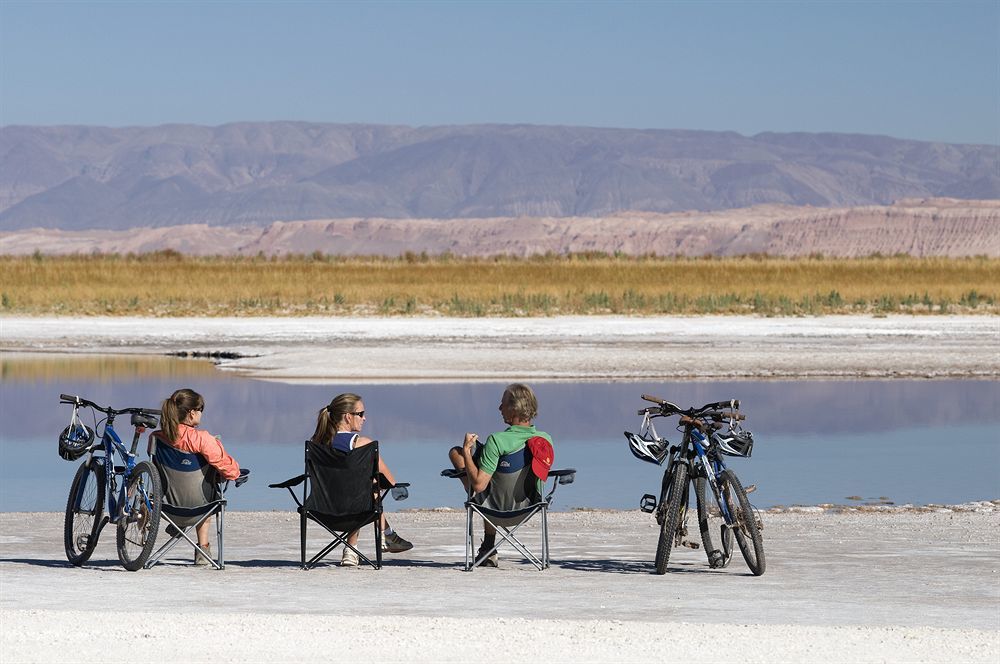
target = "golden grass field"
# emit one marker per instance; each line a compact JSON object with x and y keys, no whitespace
{"x":170,"y":284}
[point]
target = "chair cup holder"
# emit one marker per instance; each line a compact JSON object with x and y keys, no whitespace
{"x":399,"y":493}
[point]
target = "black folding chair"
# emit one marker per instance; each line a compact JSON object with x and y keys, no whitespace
{"x":192,"y":493}
{"x":341,"y":491}
{"x":511,"y":500}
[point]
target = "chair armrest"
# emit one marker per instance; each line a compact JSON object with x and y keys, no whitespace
{"x":287,"y":484}
{"x":564,"y":475}
{"x":453,"y":473}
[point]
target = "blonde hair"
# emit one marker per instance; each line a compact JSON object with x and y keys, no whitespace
{"x":522,"y":401}
{"x":175,"y":409}
{"x":331,"y":414}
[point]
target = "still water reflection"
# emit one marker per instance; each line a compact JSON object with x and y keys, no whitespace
{"x":816,"y":441}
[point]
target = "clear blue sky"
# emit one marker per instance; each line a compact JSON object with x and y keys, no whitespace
{"x":922,"y":70}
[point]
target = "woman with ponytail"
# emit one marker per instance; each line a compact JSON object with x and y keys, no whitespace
{"x":339,"y":424}
{"x":181,"y":415}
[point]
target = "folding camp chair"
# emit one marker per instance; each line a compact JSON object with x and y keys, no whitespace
{"x":341,"y":491}
{"x":512,"y":498}
{"x":192,"y":493}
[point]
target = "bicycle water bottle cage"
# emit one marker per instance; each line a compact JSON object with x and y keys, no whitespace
{"x":74,"y":441}
{"x":647,"y":450}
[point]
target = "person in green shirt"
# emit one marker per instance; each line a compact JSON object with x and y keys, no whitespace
{"x":518,"y":407}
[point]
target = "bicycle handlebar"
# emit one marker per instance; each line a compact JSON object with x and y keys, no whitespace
{"x":668,"y":408}
{"x":108,"y":410}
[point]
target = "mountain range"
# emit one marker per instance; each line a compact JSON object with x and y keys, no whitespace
{"x":85,"y":177}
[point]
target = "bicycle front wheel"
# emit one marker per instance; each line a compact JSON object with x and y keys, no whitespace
{"x":84,"y":510}
{"x":139,"y":520}
{"x":671,"y":516}
{"x":706,"y":520}
{"x":745,"y":525}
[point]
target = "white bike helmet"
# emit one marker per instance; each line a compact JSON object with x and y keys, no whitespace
{"x":734,"y":442}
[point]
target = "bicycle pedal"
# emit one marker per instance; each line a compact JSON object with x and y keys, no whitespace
{"x":647,"y":503}
{"x":691,"y":545}
{"x":751,"y":488}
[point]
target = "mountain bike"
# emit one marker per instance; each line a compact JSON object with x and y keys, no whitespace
{"x":709,"y":433}
{"x":131,"y":489}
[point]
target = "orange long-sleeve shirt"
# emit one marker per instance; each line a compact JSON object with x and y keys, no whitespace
{"x":208,"y":446}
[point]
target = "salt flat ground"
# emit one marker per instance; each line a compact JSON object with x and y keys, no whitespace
{"x":424,"y":349}
{"x":905,"y":586}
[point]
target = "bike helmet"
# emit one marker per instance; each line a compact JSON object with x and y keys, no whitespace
{"x":734,"y":442}
{"x":74,"y":441}
{"x":646,"y":450}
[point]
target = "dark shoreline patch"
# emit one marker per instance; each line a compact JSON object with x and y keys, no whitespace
{"x":211,"y":354}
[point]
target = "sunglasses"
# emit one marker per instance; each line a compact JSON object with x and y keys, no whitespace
{"x":360,"y":413}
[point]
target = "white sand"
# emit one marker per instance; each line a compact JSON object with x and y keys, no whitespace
{"x":918,"y":586}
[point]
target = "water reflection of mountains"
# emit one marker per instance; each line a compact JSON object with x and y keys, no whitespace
{"x":255,"y":411}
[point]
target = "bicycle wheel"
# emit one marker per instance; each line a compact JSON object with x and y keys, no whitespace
{"x":84,"y":509}
{"x":717,"y":558}
{"x":671,"y":517}
{"x":139,"y":519}
{"x":745,"y":527}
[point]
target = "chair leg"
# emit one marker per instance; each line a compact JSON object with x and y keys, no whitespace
{"x":545,"y":537}
{"x":219,"y":528}
{"x":302,"y":537}
{"x":378,"y":543}
{"x":468,"y":539}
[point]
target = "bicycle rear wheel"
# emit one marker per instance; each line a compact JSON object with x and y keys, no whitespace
{"x":84,"y":509}
{"x":139,"y":520}
{"x":671,"y":516}
{"x":717,"y":558}
{"x":745,"y":521}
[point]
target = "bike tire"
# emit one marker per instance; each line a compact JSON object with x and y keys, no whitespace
{"x":747,"y":533}
{"x":84,"y":511}
{"x":139,"y":520}
{"x":717,"y":559}
{"x":671,"y":516}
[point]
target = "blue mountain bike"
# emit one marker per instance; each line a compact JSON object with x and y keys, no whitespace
{"x":131,"y":489}
{"x":709,"y":433}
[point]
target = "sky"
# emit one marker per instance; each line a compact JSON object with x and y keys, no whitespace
{"x":918,"y":70}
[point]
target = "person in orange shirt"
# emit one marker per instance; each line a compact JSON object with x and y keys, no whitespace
{"x":181,"y":415}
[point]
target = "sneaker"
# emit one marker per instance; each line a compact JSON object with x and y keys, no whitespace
{"x":349,"y":559}
{"x":394,"y":543}
{"x":491,"y":560}
{"x":199,"y":559}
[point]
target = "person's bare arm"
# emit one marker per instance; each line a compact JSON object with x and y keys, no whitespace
{"x":478,"y":479}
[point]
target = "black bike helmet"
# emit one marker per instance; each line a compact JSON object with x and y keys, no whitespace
{"x":74,"y":441}
{"x":734,"y":443}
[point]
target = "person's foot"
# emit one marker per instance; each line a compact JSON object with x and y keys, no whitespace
{"x":492,"y":560}
{"x":199,"y":559}
{"x":393,"y":543}
{"x":349,"y":559}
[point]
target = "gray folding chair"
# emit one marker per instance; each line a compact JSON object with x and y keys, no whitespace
{"x":192,"y":493}
{"x":511,"y":500}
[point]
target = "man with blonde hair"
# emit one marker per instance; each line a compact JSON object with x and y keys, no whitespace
{"x":518,"y":407}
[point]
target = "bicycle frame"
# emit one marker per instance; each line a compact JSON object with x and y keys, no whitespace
{"x":111,"y":444}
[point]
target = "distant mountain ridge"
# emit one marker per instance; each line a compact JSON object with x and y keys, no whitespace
{"x":76,"y":178}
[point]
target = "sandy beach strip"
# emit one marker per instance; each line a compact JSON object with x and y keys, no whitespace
{"x":915,"y":585}
{"x":422,"y":349}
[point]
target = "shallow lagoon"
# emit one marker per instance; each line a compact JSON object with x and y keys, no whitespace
{"x":816,"y":441}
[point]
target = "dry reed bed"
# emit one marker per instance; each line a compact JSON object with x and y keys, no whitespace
{"x":167,"y":283}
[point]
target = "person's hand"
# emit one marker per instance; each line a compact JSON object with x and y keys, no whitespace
{"x":470,"y":441}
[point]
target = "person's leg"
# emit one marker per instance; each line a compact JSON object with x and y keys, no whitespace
{"x":457,"y":459}
{"x":202,"y":530}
